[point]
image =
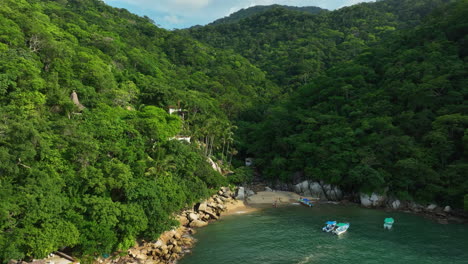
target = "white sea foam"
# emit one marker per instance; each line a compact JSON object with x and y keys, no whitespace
{"x":306,"y":259}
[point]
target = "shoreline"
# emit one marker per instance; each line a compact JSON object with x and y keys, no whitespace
{"x":175,"y":244}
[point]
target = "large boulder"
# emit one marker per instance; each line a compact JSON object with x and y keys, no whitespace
{"x":211,"y":214}
{"x":334,"y":193}
{"x":372,"y":200}
{"x":218,"y":200}
{"x":268,"y":189}
{"x":226,"y":192}
{"x":202,"y":207}
{"x":240,"y":193}
{"x":192,"y":217}
{"x":250,"y":192}
{"x":431,"y":207}
{"x":301,"y":187}
{"x":198,"y":223}
{"x":183,"y":220}
{"x":316,"y":189}
{"x":395,"y":204}
{"x":304,"y":186}
{"x":447,"y":209}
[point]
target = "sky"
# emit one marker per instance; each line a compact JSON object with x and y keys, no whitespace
{"x":172,"y":14}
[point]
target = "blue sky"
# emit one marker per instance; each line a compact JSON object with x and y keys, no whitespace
{"x":172,"y":14}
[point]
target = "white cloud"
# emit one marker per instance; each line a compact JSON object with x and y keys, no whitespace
{"x":193,"y":3}
{"x":166,"y":5}
{"x":184,"y":13}
{"x":173,"y":19}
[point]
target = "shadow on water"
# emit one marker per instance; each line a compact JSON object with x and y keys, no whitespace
{"x":293,"y":235}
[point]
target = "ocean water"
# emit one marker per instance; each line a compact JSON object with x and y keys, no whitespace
{"x":294,"y":235}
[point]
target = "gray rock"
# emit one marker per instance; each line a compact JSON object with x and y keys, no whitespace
{"x":211,"y":214}
{"x":395,"y":204}
{"x":372,"y":200}
{"x":202,"y":207}
{"x":193,"y":217}
{"x":198,"y":223}
{"x":304,"y":186}
{"x":240,"y":193}
{"x":447,"y":209}
{"x":415,"y":206}
{"x":177,"y":249}
{"x":316,"y":190}
{"x":334,"y":194}
{"x":297,"y":188}
{"x":158,"y":243}
{"x":268,"y":189}
{"x":431,"y":207}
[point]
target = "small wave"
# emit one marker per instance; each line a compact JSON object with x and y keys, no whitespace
{"x":241,"y":212}
{"x":306,"y":259}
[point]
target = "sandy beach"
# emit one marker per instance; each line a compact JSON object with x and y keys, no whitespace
{"x":269,"y":198}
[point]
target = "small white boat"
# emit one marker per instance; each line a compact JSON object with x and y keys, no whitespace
{"x":388,"y":223}
{"x":341,"y":228}
{"x":330,"y":225}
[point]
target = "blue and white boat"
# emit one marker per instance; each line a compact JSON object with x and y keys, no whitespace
{"x":330,"y":225}
{"x":388,"y":223}
{"x":341,"y":228}
{"x":306,"y":202}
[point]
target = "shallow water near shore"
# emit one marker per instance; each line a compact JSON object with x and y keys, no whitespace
{"x":293,"y":234}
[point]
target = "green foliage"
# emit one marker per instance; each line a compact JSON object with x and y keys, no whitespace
{"x":369,"y":97}
{"x":94,"y":178}
{"x":241,"y":175}
{"x":294,"y":46}
{"x":387,"y":112}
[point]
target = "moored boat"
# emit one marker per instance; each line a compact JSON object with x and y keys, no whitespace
{"x":306,"y":202}
{"x":388,"y":223}
{"x":341,"y":228}
{"x":330,"y":225}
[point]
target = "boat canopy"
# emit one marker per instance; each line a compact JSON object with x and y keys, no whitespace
{"x":342,"y":224}
{"x":389,"y":220}
{"x":331,"y":223}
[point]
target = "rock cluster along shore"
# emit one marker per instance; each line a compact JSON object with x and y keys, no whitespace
{"x":373,"y":200}
{"x":173,"y":244}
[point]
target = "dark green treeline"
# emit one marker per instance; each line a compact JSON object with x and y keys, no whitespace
{"x":374,"y":96}
{"x":92,"y":178}
{"x":370,"y":98}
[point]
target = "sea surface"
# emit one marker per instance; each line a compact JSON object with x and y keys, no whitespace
{"x":293,"y":234}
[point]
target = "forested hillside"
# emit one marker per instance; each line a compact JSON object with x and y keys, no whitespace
{"x":94,"y":175}
{"x":294,"y":47}
{"x":251,"y":11}
{"x":378,"y":100}
{"x":371,"y":97}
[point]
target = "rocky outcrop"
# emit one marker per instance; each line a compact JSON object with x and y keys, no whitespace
{"x":173,"y":244}
{"x":372,"y":200}
{"x":447,"y":209}
{"x":394,"y":204}
{"x":240,"y":193}
{"x":215,"y":166}
{"x":319,"y":190}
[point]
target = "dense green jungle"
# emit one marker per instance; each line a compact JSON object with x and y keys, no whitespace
{"x":370,"y":98}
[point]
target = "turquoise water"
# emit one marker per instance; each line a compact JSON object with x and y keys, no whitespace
{"x":293,"y":235}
